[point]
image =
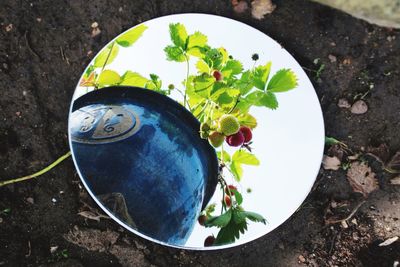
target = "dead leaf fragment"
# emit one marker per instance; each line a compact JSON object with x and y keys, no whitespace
{"x":380,"y":153}
{"x":330,"y":163}
{"x":92,"y":239}
{"x":362,"y":178}
{"x":343,"y":103}
{"x":395,"y":180}
{"x":359,"y":107}
{"x":239,"y":6}
{"x":259,"y":8}
{"x":92,"y":216}
{"x":389,"y":241}
{"x":393,"y":165}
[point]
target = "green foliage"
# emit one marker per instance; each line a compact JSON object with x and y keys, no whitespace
{"x":284,"y":80}
{"x":107,"y":78}
{"x":241,"y":157}
{"x":129,"y":37}
{"x":106,"y":56}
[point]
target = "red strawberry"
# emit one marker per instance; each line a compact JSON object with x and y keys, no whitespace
{"x":231,"y":189}
{"x":236,"y":139}
{"x":228,"y":201}
{"x":246,"y":131}
{"x":217,"y":75}
{"x":209,"y":241}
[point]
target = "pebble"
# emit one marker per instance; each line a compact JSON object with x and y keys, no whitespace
{"x":30,"y":200}
{"x":359,"y":107}
{"x":302,"y":259}
{"x":1,"y":220}
{"x":53,"y":200}
{"x":95,"y":25}
{"x":332,"y":58}
{"x":9,"y":27}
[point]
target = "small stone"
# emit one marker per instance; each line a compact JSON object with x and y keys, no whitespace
{"x":343,"y":103}
{"x":61,"y":192}
{"x":53,"y":200}
{"x":395,"y":180}
{"x":30,"y":200}
{"x":53,"y":249}
{"x":354,"y":221}
{"x":18,"y":113}
{"x":39,"y":19}
{"x":391,"y":38}
{"x":95,"y":25}
{"x":24,"y":93}
{"x":347,"y":61}
{"x":344,"y":224}
{"x":332,"y":58}
{"x":89,"y":53}
{"x":302,"y":259}
{"x":333,"y":44}
{"x":333,"y":204}
{"x":95,"y":32}
{"x":359,"y":107}
{"x":120,"y":9}
{"x":240,"y":7}
{"x":9,"y":27}
{"x":1,"y":220}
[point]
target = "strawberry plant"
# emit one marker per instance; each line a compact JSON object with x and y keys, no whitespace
{"x":220,"y":94}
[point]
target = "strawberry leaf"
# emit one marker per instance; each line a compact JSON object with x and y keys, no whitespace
{"x":219,"y":221}
{"x":108,"y":77}
{"x":178,"y":35}
{"x":232,"y":67}
{"x":245,"y":83}
{"x":260,"y":75}
{"x":237,"y":170}
{"x":196,"y":40}
{"x":284,"y":80}
{"x":252,"y":216}
{"x":174,"y":53}
{"x":244,"y":157}
{"x":259,"y":98}
{"x":133,"y":79}
{"x":106,"y":56}
{"x":129,"y":37}
{"x":202,"y":67}
{"x":231,"y":231}
{"x":248,"y":120}
{"x":203,"y":85}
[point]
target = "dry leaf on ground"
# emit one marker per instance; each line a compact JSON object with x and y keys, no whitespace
{"x":92,"y":239}
{"x":359,"y":107}
{"x":343,"y":103}
{"x":330,"y":163}
{"x":239,"y":6}
{"x":389,"y":241}
{"x":362,"y":178}
{"x":380,"y":153}
{"x":259,"y":8}
{"x":395,"y":180}
{"x":394,"y":164}
{"x":92,"y":216}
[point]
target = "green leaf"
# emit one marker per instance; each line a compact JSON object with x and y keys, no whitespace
{"x":259,"y":98}
{"x":197,"y":40}
{"x":284,"y":80}
{"x":108,"y":77}
{"x":255,"y":217}
{"x":232,"y":67}
{"x":245,"y":83}
{"x":260,"y":76}
{"x":219,"y":221}
{"x":155,"y":80}
{"x":248,"y":120}
{"x":229,"y":233}
{"x":203,"y":85}
{"x":178,"y":35}
{"x":226,"y":156}
{"x":238,"y":197}
{"x":237,"y":170}
{"x":243,"y":106}
{"x":106,"y":56}
{"x":244,"y":157}
{"x":129,"y":37}
{"x":89,"y":71}
{"x":174,"y":53}
{"x":202,"y":66}
{"x":215,"y":58}
{"x":133,"y":79}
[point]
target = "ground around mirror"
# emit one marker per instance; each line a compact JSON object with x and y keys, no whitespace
{"x":44,"y":48}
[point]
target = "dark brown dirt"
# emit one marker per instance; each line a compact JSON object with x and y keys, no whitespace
{"x":41,"y":59}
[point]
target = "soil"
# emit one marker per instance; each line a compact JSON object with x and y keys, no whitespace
{"x":44,"y":48}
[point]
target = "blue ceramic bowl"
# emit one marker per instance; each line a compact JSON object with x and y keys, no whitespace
{"x":139,"y":152}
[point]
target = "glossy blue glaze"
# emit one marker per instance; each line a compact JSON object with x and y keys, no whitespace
{"x":147,"y":148}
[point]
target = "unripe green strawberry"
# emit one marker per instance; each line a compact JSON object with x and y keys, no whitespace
{"x":216,"y":139}
{"x":228,"y":124}
{"x":204,"y":127}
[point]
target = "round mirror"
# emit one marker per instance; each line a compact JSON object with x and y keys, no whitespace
{"x":196,"y":131}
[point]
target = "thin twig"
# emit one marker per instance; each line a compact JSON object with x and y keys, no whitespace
{"x":29,"y":47}
{"x":48,"y":168}
{"x":328,"y":222}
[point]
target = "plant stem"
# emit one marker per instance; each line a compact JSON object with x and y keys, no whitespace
{"x":105,"y":63}
{"x":48,"y":168}
{"x":186,"y":82}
